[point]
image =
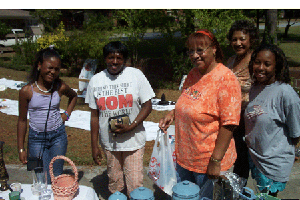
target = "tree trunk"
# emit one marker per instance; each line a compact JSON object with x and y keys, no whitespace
{"x":286,"y":30}
{"x":270,"y":35}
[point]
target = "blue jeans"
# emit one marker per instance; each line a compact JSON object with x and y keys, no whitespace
{"x":53,"y":143}
{"x":194,"y":177}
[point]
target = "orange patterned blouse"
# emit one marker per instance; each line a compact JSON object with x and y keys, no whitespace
{"x":206,"y":103}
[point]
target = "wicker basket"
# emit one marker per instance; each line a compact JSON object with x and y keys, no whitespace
{"x":64,"y":186}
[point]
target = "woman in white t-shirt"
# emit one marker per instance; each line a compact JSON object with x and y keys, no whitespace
{"x":119,"y":91}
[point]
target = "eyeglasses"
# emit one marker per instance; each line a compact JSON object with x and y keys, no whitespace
{"x":198,"y":51}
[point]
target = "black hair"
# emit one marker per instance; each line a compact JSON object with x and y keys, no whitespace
{"x":115,"y":47}
{"x":246,"y":27}
{"x":40,"y":57}
{"x":281,"y":67}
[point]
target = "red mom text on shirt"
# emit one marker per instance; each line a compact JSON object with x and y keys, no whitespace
{"x":114,"y":102}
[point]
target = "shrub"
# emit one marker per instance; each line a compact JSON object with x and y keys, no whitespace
{"x":4,"y":30}
{"x":27,"y":50}
{"x":83,"y":45}
{"x":297,"y":90}
{"x":57,"y":38}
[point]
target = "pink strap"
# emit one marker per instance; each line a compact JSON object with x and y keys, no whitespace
{"x":205,"y":33}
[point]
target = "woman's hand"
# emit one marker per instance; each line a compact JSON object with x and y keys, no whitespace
{"x":123,"y":128}
{"x":221,"y":146}
{"x":146,"y":109}
{"x":23,"y":157}
{"x":165,"y":122}
{"x":213,"y":169}
{"x":97,"y":155}
{"x":64,"y":117}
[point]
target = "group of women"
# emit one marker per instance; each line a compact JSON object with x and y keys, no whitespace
{"x":224,"y":113}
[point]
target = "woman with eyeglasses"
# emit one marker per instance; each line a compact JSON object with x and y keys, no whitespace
{"x":243,"y":39}
{"x":205,"y":114}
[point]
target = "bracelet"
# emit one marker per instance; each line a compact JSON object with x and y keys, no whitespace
{"x":135,"y":122}
{"x":21,"y":150}
{"x":215,"y":160}
{"x":67,"y":114}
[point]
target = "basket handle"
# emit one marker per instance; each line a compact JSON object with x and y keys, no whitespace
{"x":66,"y":159}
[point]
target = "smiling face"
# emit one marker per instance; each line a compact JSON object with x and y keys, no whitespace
{"x":49,"y":69}
{"x":264,"y":67}
{"x":240,"y":42}
{"x":115,"y":63}
{"x":201,"y":53}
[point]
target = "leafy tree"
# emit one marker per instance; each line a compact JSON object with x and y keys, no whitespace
{"x":218,"y":21}
{"x":50,"y":18}
{"x":290,"y":14}
{"x":270,"y":35}
{"x":137,"y":23}
{"x":4,"y":30}
{"x":98,"y":21}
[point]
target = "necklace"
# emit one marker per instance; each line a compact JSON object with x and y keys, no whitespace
{"x":45,"y":91}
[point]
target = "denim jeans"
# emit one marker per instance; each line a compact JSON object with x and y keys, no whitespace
{"x":49,"y":144}
{"x":194,"y":177}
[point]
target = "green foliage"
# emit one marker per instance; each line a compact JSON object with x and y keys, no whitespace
{"x":27,"y":50}
{"x":175,"y":51}
{"x":4,"y":30}
{"x":186,"y":22}
{"x":83,"y":45}
{"x":48,"y":17}
{"x":137,"y":23}
{"x":297,"y":90}
{"x":180,"y":63}
{"x":18,"y":63}
{"x":217,"y":21}
{"x":57,"y":38}
{"x":98,"y":22}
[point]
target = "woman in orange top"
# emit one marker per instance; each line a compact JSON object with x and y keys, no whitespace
{"x":243,"y":37}
{"x":206,"y":113}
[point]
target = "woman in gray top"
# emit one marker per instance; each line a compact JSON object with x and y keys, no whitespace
{"x":271,"y":118}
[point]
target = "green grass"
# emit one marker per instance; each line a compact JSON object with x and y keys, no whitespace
{"x":291,"y":45}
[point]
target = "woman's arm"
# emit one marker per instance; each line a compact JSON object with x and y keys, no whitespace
{"x":96,"y":153}
{"x":143,"y":114}
{"x":72,"y":95}
{"x":295,"y":141}
{"x":22,"y":122}
{"x":221,"y":146}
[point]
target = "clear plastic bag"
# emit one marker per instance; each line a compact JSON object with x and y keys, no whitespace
{"x":227,"y":188}
{"x":161,"y":168}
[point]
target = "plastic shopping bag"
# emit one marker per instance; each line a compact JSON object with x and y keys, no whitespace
{"x":161,"y":168}
{"x":228,"y":187}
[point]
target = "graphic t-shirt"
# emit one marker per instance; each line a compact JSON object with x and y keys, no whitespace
{"x":207,"y":102}
{"x":272,"y":119}
{"x":118,"y":95}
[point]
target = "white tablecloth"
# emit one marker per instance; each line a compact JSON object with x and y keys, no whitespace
{"x":85,"y":192}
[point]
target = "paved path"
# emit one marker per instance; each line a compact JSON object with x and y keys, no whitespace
{"x":96,"y":177}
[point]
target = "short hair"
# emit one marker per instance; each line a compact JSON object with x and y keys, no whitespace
{"x":246,"y":27}
{"x":42,"y":55}
{"x":281,"y":67}
{"x":209,"y":36}
{"x":115,"y":47}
